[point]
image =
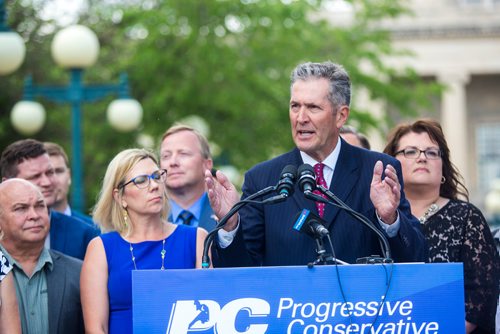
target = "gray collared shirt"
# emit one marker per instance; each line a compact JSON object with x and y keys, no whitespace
{"x":32,"y":294}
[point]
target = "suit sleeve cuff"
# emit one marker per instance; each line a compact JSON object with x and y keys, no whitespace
{"x":225,"y":238}
{"x":391,"y":230}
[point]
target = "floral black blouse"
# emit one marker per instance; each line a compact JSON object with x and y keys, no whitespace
{"x":458,"y":232}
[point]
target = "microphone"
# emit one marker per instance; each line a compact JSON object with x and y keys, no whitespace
{"x":307,"y":178}
{"x":287,"y":180}
{"x":310,"y":224}
{"x":284,"y":186}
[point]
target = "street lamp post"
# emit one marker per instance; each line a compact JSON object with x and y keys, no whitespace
{"x":75,"y":48}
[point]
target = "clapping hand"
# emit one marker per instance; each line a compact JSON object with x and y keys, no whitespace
{"x":385,"y":194}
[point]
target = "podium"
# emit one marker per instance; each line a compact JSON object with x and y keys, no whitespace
{"x":367,"y":299}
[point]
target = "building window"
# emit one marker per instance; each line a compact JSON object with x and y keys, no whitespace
{"x":488,"y":151}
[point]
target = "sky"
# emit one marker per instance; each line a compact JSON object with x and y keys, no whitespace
{"x":64,"y":11}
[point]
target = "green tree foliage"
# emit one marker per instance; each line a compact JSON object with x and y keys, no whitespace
{"x":227,"y":61}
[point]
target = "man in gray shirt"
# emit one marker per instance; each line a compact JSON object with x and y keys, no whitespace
{"x":47,"y":282}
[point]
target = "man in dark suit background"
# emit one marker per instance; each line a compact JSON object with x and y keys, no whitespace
{"x":185,"y":154}
{"x":27,"y":159}
{"x":369,"y":182}
{"x":47,"y":282}
{"x":62,"y":176}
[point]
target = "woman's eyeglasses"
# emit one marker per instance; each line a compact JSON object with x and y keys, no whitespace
{"x":142,"y":181}
{"x":414,"y":153}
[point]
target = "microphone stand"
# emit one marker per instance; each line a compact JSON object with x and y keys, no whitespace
{"x":337,"y":202}
{"x":324,"y":257}
{"x":250,"y":199}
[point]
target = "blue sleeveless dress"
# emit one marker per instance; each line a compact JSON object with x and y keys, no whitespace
{"x":180,"y":249}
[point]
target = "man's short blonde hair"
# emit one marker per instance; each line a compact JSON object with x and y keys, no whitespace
{"x":176,"y":128}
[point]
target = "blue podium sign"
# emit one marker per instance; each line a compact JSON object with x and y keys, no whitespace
{"x":366,"y":299}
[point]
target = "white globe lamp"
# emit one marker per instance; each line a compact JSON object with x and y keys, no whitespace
{"x":12,"y":52}
{"x":75,"y":47}
{"x":27,"y":117}
{"x":125,"y":114}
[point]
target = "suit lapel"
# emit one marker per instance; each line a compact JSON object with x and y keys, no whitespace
{"x":57,"y":233}
{"x":206,"y":217}
{"x":55,"y":289}
{"x":343,"y":181}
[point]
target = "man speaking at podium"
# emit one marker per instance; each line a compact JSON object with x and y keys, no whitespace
{"x":368,"y":182}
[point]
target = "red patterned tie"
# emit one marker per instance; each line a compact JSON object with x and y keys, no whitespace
{"x":320,"y":181}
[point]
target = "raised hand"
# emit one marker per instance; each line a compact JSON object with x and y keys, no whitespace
{"x":222,"y":195}
{"x":385,"y":194}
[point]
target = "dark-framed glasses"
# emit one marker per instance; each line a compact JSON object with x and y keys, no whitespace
{"x":414,"y":153}
{"x":142,"y":181}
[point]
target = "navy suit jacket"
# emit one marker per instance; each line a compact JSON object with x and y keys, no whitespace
{"x":63,"y":293}
{"x":207,"y":220}
{"x":70,"y":235}
{"x":266,"y":235}
{"x":83,"y":217}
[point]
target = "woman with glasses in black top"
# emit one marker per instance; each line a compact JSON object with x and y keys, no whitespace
{"x":456,"y":230}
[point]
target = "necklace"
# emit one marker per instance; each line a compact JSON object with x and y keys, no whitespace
{"x":429,"y":212}
{"x":162,"y":253}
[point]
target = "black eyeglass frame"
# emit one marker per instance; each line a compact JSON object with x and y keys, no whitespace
{"x":404,"y":152}
{"x":160,"y":172}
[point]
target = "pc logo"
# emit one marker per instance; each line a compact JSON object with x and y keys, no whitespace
{"x":207,"y":316}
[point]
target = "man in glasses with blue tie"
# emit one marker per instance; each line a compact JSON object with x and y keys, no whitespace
{"x":185,"y":154}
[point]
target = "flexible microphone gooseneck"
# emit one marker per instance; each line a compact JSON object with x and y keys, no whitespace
{"x":284,"y":188}
{"x":307,"y":184}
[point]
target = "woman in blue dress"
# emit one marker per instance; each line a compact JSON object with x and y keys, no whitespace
{"x":9,"y":312}
{"x":132,"y":209}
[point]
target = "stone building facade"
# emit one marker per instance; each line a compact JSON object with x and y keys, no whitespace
{"x":457,"y":42}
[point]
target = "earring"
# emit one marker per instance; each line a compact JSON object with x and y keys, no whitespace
{"x":443,"y":179}
{"x":125,"y":217}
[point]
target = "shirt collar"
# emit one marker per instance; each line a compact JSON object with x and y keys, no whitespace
{"x":67,"y":211}
{"x":43,"y":260}
{"x":330,"y":161}
{"x":195,"y":209}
